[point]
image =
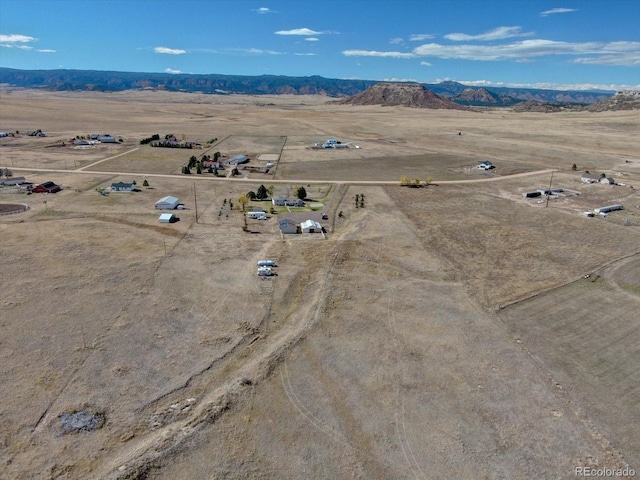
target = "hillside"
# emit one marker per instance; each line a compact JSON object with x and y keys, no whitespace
{"x":483,"y":97}
{"x":109,"y":81}
{"x":627,"y":100}
{"x":405,"y":94}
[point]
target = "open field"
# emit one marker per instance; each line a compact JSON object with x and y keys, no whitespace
{"x":439,"y":332}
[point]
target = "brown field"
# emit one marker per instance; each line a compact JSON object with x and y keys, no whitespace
{"x":439,"y":332}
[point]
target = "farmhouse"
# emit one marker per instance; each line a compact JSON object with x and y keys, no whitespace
{"x":121,"y":187}
{"x":310,"y":226}
{"x":167,"y":203}
{"x":167,"y":218}
{"x":212,"y":164}
{"x":46,"y":187}
{"x":287,"y":226}
{"x":281,"y":201}
{"x":590,"y":178}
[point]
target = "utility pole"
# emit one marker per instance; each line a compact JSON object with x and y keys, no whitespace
{"x":549,"y":192}
{"x":195,"y":200}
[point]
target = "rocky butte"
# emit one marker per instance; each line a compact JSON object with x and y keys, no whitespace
{"x":404,"y":94}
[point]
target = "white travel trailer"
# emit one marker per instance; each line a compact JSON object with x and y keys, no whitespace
{"x":257,"y":215}
{"x":267,"y":263}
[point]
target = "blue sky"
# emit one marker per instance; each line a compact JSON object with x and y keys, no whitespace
{"x":545,"y":44}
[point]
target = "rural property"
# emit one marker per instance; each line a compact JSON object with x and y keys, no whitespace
{"x":449,"y":327}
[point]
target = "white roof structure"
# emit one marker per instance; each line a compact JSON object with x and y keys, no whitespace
{"x":168,"y":203}
{"x":166,"y":217}
{"x":310,"y":226}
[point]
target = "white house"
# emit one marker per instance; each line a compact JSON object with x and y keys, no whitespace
{"x":287,"y":226}
{"x":167,"y":203}
{"x":310,"y":226}
{"x":607,"y":180}
{"x":281,"y":201}
{"x":590,"y":178}
{"x":485,"y":165}
{"x":122,"y":187}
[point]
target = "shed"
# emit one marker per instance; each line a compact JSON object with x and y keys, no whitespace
{"x":287,"y":226}
{"x":167,"y":203}
{"x":167,"y":217}
{"x":607,"y":180}
{"x":310,"y":226}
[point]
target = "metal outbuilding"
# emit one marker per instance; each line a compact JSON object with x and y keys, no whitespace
{"x":167,"y":218}
{"x":168,"y":203}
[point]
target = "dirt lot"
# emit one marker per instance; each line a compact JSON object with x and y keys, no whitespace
{"x":439,"y":332}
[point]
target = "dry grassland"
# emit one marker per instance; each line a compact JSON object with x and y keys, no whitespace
{"x":374,"y":353}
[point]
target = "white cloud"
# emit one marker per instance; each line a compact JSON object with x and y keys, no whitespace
{"x":396,"y":79}
{"x":169,"y":51}
{"x":499,"y":33}
{"x":15,"y":38}
{"x":601,"y":53}
{"x":171,"y":70}
{"x":311,"y":39}
{"x":419,"y":37}
{"x":298,"y":31}
{"x":527,"y":49}
{"x":557,"y":10}
{"x":263,"y":10}
{"x":631,"y":59}
{"x":46,"y":50}
{"x":23,"y":47}
{"x":259,"y":51}
{"x":396,"y":41}
{"x":373,"y":53}
{"x":425,"y":64}
{"x":305,"y":54}
{"x":544,"y":85}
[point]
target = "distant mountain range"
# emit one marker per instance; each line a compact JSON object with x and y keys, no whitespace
{"x":106,"y":81}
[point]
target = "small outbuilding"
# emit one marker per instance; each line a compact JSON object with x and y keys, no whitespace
{"x":287,"y":226}
{"x":168,"y":203}
{"x":167,"y":218}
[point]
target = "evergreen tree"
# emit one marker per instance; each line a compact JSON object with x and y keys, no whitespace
{"x":261,"y":194}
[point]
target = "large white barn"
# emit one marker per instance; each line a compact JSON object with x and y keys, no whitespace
{"x":167,"y":203}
